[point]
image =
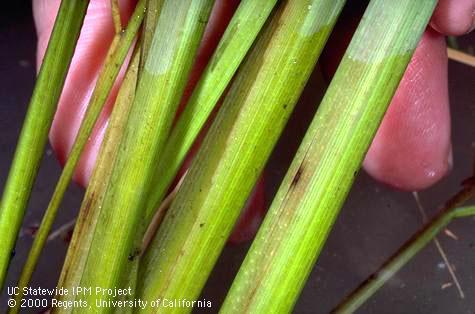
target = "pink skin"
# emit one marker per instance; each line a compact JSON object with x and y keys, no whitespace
{"x":454,"y":17}
{"x":411,"y":150}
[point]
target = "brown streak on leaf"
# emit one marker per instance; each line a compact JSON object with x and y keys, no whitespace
{"x":297,"y":176}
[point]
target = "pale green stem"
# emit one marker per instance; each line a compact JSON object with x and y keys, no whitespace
{"x":178,"y":33}
{"x":116,"y":56}
{"x":236,"y":41}
{"x":410,"y":249}
{"x":100,"y":180}
{"x":92,"y":204}
{"x":149,"y":25}
{"x":404,"y":255}
{"x":320,"y":176}
{"x":34,"y":134}
{"x":234,"y":151}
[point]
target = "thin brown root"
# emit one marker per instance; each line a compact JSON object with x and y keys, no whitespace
{"x":446,"y":285}
{"x":62,"y":230}
{"x":449,"y":267}
{"x":440,"y":248}
{"x":461,"y":57}
{"x":450,"y":234}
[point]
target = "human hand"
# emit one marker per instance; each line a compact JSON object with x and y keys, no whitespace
{"x":411,"y":151}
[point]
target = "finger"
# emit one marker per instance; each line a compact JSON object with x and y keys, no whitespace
{"x":219,"y":18}
{"x":254,"y":210}
{"x":454,"y":17}
{"x":96,"y":35}
{"x":92,"y":48}
{"x":412,"y":147}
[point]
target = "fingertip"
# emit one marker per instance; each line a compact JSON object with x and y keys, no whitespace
{"x":416,"y":175}
{"x":94,"y":41}
{"x":454,"y":17}
{"x":44,"y":15}
{"x":412,"y":148}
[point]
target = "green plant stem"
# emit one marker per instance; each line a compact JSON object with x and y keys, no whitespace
{"x":178,"y":33}
{"x":418,"y":241}
{"x":320,"y":176}
{"x":83,"y":232}
{"x":404,"y":255}
{"x":149,"y":25}
{"x":117,"y":53}
{"x":100,"y":180}
{"x":34,"y":134}
{"x":236,"y":41}
{"x":463,"y":212}
{"x":235,"y":150}
{"x":116,"y":16}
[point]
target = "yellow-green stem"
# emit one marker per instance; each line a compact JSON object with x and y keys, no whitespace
{"x":100,"y":179}
{"x":404,"y":255}
{"x":161,"y":83}
{"x":449,"y":212}
{"x":320,"y":176}
{"x":236,"y":41}
{"x":234,"y":151}
{"x":117,"y":53}
{"x":34,"y":134}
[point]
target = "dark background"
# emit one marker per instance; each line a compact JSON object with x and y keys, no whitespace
{"x":375,"y":221}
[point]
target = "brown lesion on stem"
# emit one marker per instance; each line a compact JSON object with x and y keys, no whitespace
{"x":282,"y":215}
{"x":88,"y":205}
{"x":297,"y":176}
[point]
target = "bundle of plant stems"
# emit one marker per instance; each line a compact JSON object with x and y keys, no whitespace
{"x":129,"y":233}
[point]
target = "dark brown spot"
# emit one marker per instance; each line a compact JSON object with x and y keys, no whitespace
{"x":202,"y":20}
{"x":134,"y":254}
{"x":201,"y":225}
{"x":297,"y":176}
{"x":88,"y":205}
